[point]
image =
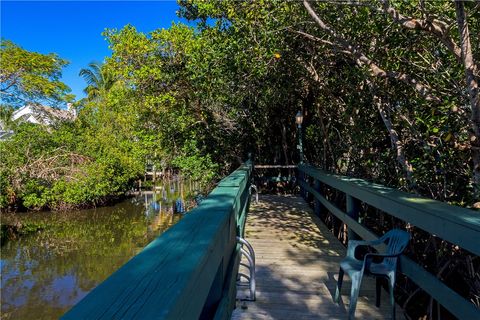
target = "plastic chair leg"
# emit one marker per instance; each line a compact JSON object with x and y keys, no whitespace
{"x":356,"y":282}
{"x":336,"y":299}
{"x":391,"y":286}
{"x":378,"y":286}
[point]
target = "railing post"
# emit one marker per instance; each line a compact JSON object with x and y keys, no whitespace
{"x":300,"y":179}
{"x":317,"y":207}
{"x":309,"y":195}
{"x":305,"y":192}
{"x":353,"y":210}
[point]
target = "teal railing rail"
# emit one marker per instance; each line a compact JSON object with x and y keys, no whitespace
{"x":456,"y":225}
{"x":189,"y":272}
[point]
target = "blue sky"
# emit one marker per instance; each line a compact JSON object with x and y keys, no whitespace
{"x":72,"y":29}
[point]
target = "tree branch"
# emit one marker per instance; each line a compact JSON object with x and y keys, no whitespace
{"x":473,"y":92}
{"x":435,"y":27}
{"x":362,"y":60}
{"x":317,"y":39}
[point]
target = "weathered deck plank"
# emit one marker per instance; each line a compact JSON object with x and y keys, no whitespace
{"x":297,"y":264}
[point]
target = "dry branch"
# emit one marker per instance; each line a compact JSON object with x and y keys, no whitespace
{"x":362,"y":60}
{"x":53,"y":166}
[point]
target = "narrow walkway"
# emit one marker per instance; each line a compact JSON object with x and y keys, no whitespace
{"x":297,"y":266}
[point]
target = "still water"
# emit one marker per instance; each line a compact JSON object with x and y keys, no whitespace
{"x":44,"y":274}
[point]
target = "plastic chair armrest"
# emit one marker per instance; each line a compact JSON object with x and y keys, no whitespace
{"x":353,"y":244}
{"x":367,"y":260}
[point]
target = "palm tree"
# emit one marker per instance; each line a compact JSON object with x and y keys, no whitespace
{"x":99,"y":80}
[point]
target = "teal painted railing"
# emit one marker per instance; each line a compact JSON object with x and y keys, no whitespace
{"x":189,"y":272}
{"x":456,"y":225}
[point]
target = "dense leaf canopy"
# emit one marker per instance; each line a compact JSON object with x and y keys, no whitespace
{"x":30,"y":76}
{"x":387,"y":89}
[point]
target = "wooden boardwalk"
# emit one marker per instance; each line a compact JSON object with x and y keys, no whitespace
{"x":297,"y":265}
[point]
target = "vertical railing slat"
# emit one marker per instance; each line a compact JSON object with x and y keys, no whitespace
{"x":353,"y":210}
{"x":318,"y":187}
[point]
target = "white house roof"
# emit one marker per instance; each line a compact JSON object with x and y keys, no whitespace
{"x":42,"y":114}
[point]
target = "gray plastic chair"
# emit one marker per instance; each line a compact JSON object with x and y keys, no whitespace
{"x":396,"y":241}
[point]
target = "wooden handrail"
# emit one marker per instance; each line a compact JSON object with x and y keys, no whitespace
{"x":456,"y":225}
{"x":189,"y":272}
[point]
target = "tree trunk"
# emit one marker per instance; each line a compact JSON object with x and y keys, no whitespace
{"x":473,"y":92}
{"x":397,"y":144}
{"x":285,"y":144}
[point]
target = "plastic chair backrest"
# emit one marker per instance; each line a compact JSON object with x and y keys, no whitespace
{"x":397,"y":241}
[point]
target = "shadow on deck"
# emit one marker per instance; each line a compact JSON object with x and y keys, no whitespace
{"x":297,"y":265}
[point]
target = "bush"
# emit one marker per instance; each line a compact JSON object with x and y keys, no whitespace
{"x":195,"y":165}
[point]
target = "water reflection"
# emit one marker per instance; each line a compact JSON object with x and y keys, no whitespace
{"x":45,"y":273}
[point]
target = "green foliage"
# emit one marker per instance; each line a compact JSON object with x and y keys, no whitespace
{"x":30,"y":76}
{"x":99,"y":80}
{"x":67,"y":167}
{"x":267,"y":68}
{"x":195,"y":165}
{"x":233,"y":85}
{"x":35,"y":194}
{"x":200,"y":98}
